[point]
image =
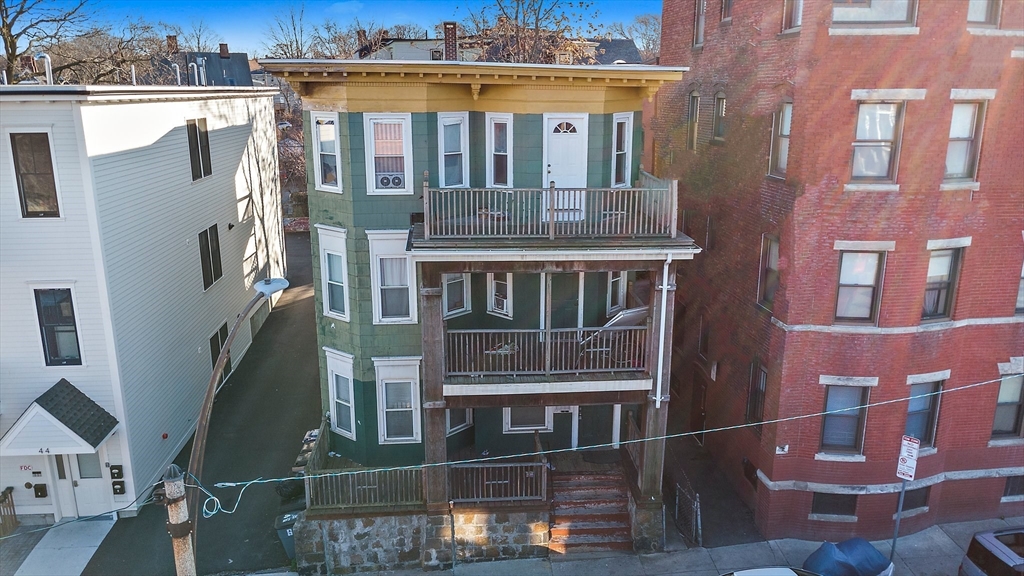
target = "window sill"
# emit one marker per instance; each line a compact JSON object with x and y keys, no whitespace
{"x":335,"y":316}
{"x":779,"y":177}
{"x":725,"y":22}
{"x":389,"y":193}
{"x":788,"y":33}
{"x":383,"y":441}
{"x":929,"y":451}
{"x":717,"y":141}
{"x":885,"y":31}
{"x":697,"y":48}
{"x":455,"y":431}
{"x":994,"y":32}
{"x":527,"y":430}
{"x":831,"y":517}
{"x":1017,"y":498}
{"x":327,"y":189}
{"x":937,"y":320}
{"x":500,"y":315}
{"x":912,"y":512}
{"x":382,"y":322}
{"x":1001,"y":442}
{"x":953,"y":186}
{"x":456,"y":314}
{"x":871,"y":188}
{"x":343,"y":434}
{"x":829,"y":457}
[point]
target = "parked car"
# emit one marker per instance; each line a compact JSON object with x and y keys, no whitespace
{"x":774,"y":571}
{"x":995,"y":553}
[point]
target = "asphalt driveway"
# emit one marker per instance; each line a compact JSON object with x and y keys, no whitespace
{"x":259,"y":418}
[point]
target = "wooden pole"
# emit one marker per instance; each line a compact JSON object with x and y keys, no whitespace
{"x":179,"y":526}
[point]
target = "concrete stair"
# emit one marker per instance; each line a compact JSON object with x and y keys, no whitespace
{"x":589,"y":513}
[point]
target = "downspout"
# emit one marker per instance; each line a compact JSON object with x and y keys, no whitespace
{"x":661,"y":329}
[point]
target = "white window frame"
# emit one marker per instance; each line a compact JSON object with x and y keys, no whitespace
{"x":318,"y":176}
{"x":405,"y":119}
{"x":444,"y":119}
{"x":390,"y":244}
{"x":974,"y":153}
{"x":621,"y":290}
{"x":792,"y":15}
{"x":507,"y":313}
{"x":506,"y":422}
{"x":341,"y":364}
{"x":65,"y":285}
{"x":33,"y":129}
{"x":896,"y":142}
{"x":627,"y":118}
{"x":333,"y":241}
{"x":493,"y":118}
{"x":467,"y":293}
{"x":448,"y":421}
{"x":398,"y":369}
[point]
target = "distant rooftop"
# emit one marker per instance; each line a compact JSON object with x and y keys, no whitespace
{"x":109,"y":92}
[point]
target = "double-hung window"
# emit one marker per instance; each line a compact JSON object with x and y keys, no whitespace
{"x":876,"y":148}
{"x":939,"y":290}
{"x":57,"y":324}
{"x":873,"y":13}
{"x":780,"y":140}
{"x":792,"y":14}
{"x":1019,"y":308}
{"x":755,"y":395}
{"x":842,"y":428}
{"x":769,"y":282}
{"x":499,"y":294}
{"x":622,"y":141}
{"x":527,"y":419}
{"x":499,"y":150}
{"x":860,"y":277}
{"x":692,"y":114}
{"x":457,"y":297}
{"x":1009,"y":416}
{"x":391,"y":277}
{"x":334,"y":271}
{"x":388,"y":139}
{"x":983,"y":12}
{"x":398,"y":400}
{"x":198,"y":148}
{"x":458,"y":419}
{"x":727,"y":10}
{"x":217,"y":342}
{"x":699,"y":15}
{"x":616,"y":292}
{"x":453,"y":143}
{"x":704,"y":337}
{"x":964,"y":141}
{"x":209,"y":254}
{"x":923,"y":412}
{"x":35,"y":174}
{"x":718,"y":121}
{"x":339,"y":373}
{"x":326,"y":148}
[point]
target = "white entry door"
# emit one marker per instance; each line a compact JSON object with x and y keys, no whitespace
{"x":565,"y":155}
{"x":92,"y":490}
{"x":65,"y":489}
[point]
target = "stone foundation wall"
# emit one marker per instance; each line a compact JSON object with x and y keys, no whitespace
{"x":647,"y":525}
{"x":326,"y":546}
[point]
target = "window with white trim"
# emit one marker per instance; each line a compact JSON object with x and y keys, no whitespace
{"x":860,"y":280}
{"x":964,"y":141}
{"x":326,"y":147}
{"x":842,"y":429}
{"x":198,"y":148}
{"x":499,"y":294}
{"x":792,"y":14}
{"x":58,"y":327}
{"x":340,"y":374}
{"x":388,"y":139}
{"x":457,"y":298}
{"x":458,"y":419}
{"x":499,"y":150}
{"x":616,"y":292}
{"x":35,"y":174}
{"x":398,"y":400}
{"x":622,"y":148}
{"x":334,"y":271}
{"x":391,"y":277}
{"x":453,"y":145}
{"x":527,"y":419}
{"x":1008,"y":421}
{"x":940,"y":289}
{"x":780,"y":140}
{"x":877,"y":144}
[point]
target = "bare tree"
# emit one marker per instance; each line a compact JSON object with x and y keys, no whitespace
{"x":290,"y":36}
{"x":334,"y":41}
{"x":198,"y":37}
{"x":538,"y":31}
{"x":645,"y":31}
{"x":107,"y":55}
{"x":30,"y":25}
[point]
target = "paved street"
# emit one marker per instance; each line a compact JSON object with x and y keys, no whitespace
{"x":256,"y":430}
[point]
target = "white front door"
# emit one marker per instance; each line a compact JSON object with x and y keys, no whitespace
{"x":65,"y":489}
{"x":92,"y":490}
{"x":565,"y":154}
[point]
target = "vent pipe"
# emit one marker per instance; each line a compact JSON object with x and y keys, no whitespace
{"x":49,"y":67}
{"x":177,"y":73}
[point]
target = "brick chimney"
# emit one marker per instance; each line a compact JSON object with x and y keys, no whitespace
{"x":172,"y":44}
{"x":451,"y":41}
{"x":224,"y":50}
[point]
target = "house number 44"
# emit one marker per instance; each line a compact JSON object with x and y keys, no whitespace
{"x":44,"y":450}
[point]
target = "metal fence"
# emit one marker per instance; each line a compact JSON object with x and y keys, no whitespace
{"x":508,"y":482}
{"x":539,"y":351}
{"x":633,"y":444}
{"x":687,"y":512}
{"x":8,"y":516}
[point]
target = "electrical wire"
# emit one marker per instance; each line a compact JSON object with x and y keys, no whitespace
{"x":148,"y":500}
{"x":211,"y":499}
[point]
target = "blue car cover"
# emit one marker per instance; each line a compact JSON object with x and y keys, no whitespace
{"x":853,"y":557}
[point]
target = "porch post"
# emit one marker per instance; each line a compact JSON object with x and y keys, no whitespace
{"x":435,"y":449}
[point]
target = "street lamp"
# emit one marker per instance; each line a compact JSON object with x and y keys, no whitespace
{"x":182,"y":517}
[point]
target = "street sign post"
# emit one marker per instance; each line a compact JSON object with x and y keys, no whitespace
{"x":906,"y":466}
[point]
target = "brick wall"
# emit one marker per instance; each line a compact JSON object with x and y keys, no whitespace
{"x":757,"y":68}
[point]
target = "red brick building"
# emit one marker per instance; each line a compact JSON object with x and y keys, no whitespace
{"x":855,"y":173}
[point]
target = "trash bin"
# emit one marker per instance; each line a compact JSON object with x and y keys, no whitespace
{"x":283,"y":524}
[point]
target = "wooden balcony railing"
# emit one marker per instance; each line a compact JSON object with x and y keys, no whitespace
{"x":552,"y":351}
{"x":498,"y":482}
{"x":646,"y":211}
{"x":8,"y":516}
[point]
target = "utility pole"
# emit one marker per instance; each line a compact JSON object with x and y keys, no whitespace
{"x":179,"y":526}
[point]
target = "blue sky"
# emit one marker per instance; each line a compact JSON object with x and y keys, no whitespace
{"x":243,"y":23}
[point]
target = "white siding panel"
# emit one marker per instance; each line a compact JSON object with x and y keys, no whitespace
{"x":16,"y":471}
{"x":40,"y":431}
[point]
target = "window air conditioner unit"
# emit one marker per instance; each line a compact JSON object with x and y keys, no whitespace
{"x":499,"y":304}
{"x":391,"y":180}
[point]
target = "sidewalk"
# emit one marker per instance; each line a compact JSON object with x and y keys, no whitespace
{"x":936,"y":551}
{"x":63,"y":550}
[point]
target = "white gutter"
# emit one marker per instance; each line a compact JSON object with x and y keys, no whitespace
{"x":661,"y":330}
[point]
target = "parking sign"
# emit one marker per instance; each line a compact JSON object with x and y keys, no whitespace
{"x":907,"y":463}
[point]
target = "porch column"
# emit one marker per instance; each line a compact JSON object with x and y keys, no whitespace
{"x":434,"y":442}
{"x":655,"y":419}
